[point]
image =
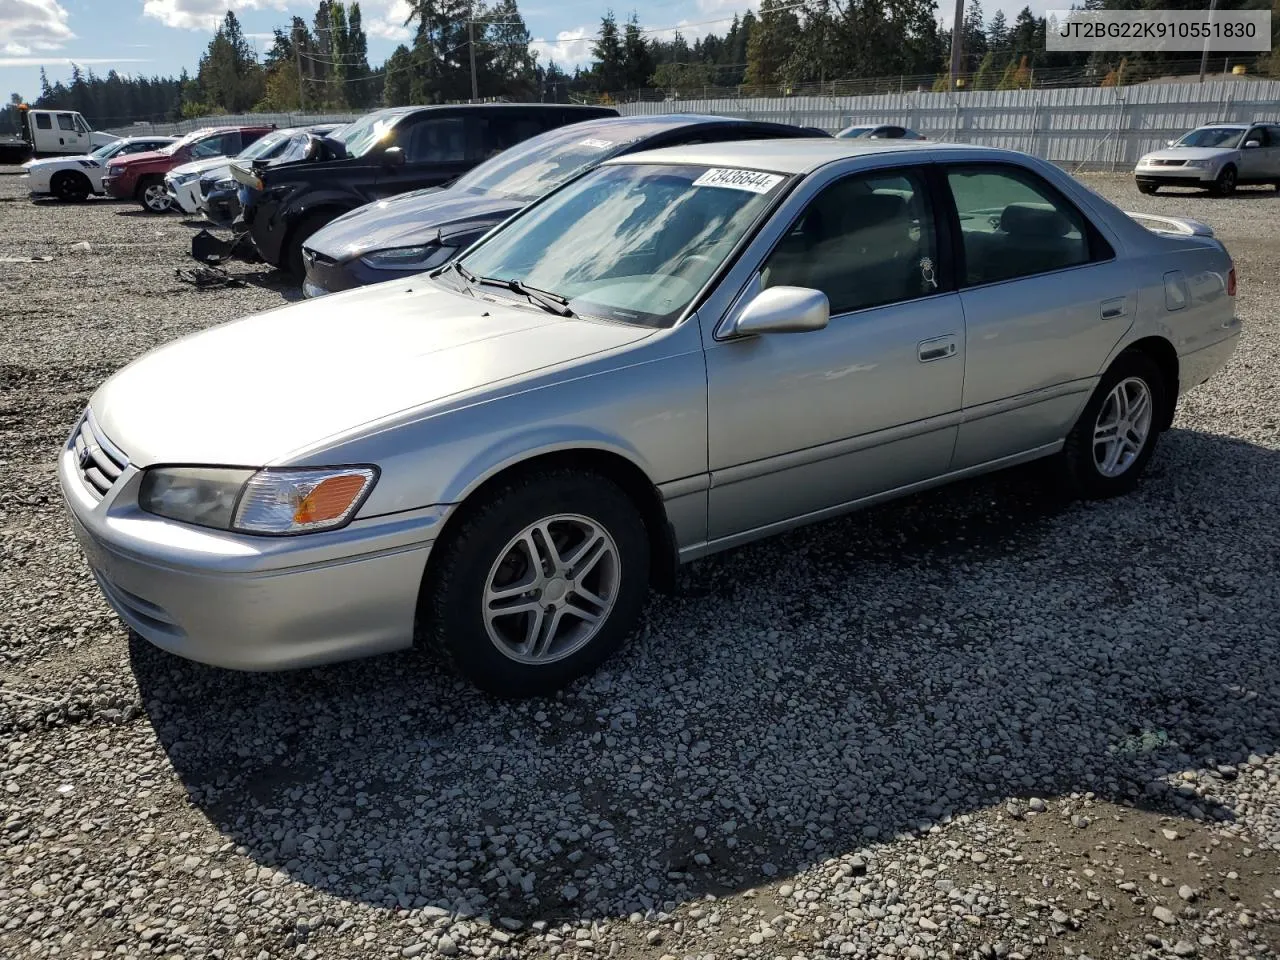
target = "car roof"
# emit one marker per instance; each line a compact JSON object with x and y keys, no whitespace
{"x":795,"y":156}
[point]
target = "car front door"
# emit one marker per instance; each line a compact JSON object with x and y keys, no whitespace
{"x":801,"y":423}
{"x":437,"y":149}
{"x":1045,"y":302}
{"x":1255,"y":162}
{"x":69,"y":138}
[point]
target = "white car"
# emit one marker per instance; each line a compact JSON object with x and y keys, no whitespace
{"x":74,"y":178}
{"x":1216,"y":157}
{"x":183,"y":183}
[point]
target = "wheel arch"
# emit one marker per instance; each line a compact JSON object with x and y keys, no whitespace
{"x":1165,"y":356}
{"x":625,"y":472}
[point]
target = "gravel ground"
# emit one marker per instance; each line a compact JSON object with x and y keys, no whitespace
{"x":976,"y":723}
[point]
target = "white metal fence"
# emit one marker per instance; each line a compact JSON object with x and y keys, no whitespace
{"x":1078,"y":127}
{"x":1089,"y":127}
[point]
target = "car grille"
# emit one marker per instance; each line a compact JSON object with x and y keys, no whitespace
{"x":1168,"y":163}
{"x":100,"y":461}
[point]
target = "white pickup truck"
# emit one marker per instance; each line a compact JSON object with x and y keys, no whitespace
{"x":46,"y":133}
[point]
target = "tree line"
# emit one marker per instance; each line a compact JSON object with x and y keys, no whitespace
{"x":322,"y":64}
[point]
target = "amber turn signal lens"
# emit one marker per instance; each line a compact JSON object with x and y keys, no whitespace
{"x":328,"y":499}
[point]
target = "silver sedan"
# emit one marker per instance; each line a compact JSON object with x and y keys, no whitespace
{"x":676,"y":353}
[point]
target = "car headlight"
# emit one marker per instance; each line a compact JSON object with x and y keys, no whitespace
{"x":257,"y":501}
{"x":1198,"y":163}
{"x":230,"y":184}
{"x":181,"y":178}
{"x":114,"y":171}
{"x":422,"y":257}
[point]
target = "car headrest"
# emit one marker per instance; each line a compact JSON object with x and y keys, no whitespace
{"x":1025,"y":220}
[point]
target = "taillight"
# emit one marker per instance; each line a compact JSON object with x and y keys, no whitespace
{"x":1231,"y":281}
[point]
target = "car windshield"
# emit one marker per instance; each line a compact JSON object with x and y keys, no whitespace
{"x":183,"y":141}
{"x":630,"y":242}
{"x":540,"y":164}
{"x":264,"y":146}
{"x":1212,"y":137}
{"x":361,"y":136}
{"x":854,"y":131}
{"x":108,"y":150}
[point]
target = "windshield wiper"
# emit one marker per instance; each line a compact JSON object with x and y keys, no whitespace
{"x":551,"y":302}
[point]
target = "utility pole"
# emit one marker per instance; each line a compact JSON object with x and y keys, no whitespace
{"x":471,"y":48}
{"x":297,"y":59}
{"x":1204,"y":57}
{"x":957,"y":41}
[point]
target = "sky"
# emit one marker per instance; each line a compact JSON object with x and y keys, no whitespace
{"x":160,"y":37}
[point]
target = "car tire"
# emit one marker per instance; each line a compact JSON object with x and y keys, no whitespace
{"x":541,"y":647}
{"x":153,"y":196}
{"x":1225,"y":185}
{"x":70,"y":186}
{"x":1147,"y":188}
{"x":291,"y":258}
{"x":1091,"y":466}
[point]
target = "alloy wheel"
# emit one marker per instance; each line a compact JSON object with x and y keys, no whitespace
{"x":1122,"y":428}
{"x":156,"y":198}
{"x":551,"y":589}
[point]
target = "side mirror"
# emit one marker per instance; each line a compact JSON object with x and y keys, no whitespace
{"x":1253,"y":143}
{"x":393,"y":157}
{"x":783,"y":310}
{"x":1171,"y":143}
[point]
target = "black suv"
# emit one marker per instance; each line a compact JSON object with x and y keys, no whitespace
{"x":382,"y":154}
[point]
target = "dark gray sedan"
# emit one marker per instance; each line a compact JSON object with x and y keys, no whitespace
{"x":407,"y":234}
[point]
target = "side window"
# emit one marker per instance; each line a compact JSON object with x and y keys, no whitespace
{"x":501,"y":131}
{"x":1013,"y":224}
{"x":436,"y":141}
{"x":246,"y":137}
{"x":863,"y":241}
{"x":66,"y":122}
{"x":212,"y":146}
{"x":1273,"y":135}
{"x":1259,"y":134}
{"x":44,"y":121}
{"x":81,"y":125}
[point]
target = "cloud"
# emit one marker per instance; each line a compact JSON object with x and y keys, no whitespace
{"x":28,"y":25}
{"x":571,"y":48}
{"x":64,"y":61}
{"x":387,"y":20}
{"x":199,"y":14}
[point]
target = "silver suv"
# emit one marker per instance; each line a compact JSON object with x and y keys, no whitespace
{"x":1216,"y":157}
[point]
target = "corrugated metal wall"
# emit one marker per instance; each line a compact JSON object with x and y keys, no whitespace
{"x":1105,"y":127}
{"x":1088,"y":127}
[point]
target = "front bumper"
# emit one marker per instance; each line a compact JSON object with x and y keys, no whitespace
{"x":1175,"y":176}
{"x":186,"y":196}
{"x":38,"y":181}
{"x":246,"y":602}
{"x":221,"y":207}
{"x":119,"y":187}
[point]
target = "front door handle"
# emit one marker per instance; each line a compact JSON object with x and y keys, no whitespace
{"x":1114,"y":308}
{"x":939,"y":348}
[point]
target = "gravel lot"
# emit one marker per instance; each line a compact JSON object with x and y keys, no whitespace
{"x":976,"y":723}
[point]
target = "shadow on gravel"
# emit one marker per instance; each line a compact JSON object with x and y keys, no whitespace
{"x":803,"y":698}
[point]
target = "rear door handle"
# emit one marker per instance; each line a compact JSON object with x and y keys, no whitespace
{"x":1114,"y":308}
{"x":939,"y":348}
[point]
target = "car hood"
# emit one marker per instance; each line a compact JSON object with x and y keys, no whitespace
{"x":1189,"y":153}
{"x":256,"y":391}
{"x":217,"y":171}
{"x":55,"y":161}
{"x":198,"y":166}
{"x":401,"y":223}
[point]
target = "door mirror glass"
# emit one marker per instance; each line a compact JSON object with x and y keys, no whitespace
{"x":1253,"y":143}
{"x":784,"y":310}
{"x":393,"y":157}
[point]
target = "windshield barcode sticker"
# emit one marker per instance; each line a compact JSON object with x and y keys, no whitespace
{"x":753,"y":181}
{"x":597,"y":144}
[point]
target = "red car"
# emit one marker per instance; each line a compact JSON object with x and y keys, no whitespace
{"x":141,"y":176}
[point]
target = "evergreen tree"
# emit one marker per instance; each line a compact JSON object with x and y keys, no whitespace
{"x":771,"y":45}
{"x":637,"y":57}
{"x":610,"y":66}
{"x":397,"y":78}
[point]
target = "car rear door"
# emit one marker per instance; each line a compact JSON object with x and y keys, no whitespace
{"x":805,"y":422}
{"x":1045,"y":302}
